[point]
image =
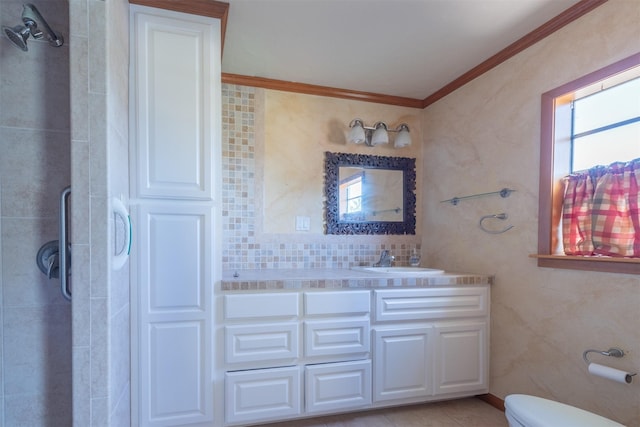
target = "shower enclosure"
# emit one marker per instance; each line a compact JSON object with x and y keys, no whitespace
{"x":64,"y":121}
{"x":35,"y":328}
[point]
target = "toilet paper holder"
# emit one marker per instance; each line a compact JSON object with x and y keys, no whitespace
{"x":606,"y":371}
{"x":613,"y":352}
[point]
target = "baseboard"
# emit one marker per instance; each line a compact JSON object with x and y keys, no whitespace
{"x":492,"y":400}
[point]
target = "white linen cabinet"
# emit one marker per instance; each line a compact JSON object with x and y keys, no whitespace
{"x":174,"y":173}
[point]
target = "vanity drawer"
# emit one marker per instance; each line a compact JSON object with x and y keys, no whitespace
{"x":263,"y":394}
{"x":264,"y":342}
{"x":337,"y":303}
{"x":337,"y":386}
{"x":432,"y":303}
{"x":336,"y":337}
{"x":251,"y":306}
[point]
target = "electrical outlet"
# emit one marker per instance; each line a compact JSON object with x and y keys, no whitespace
{"x":303,"y":223}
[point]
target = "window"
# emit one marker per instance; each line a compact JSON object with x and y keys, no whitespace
{"x":572,"y":139}
{"x":606,"y":124}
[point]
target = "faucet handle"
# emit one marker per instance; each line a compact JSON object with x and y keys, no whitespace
{"x":414,"y":260}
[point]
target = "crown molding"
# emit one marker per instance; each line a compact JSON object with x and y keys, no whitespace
{"x":543,"y":31}
{"x":546,"y":29}
{"x":319,"y":90}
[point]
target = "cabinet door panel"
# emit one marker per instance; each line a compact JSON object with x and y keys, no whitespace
{"x":262,"y":394}
{"x":173,"y":124}
{"x":176,"y":373}
{"x":175,"y":269}
{"x":462,"y":357}
{"x":336,"y":338}
{"x":402,"y":363}
{"x":334,"y":386}
{"x":257,"y":343}
{"x":174,"y":313}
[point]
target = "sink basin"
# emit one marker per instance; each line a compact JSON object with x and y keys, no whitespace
{"x":409,"y":271}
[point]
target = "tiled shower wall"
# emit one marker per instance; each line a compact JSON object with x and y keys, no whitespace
{"x":241,"y":247}
{"x":99,"y":40}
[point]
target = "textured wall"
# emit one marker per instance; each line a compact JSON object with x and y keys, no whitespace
{"x":298,"y":129}
{"x":273,"y":163}
{"x":485,"y":136}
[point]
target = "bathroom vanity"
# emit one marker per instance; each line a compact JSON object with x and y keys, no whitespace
{"x":317,"y":342}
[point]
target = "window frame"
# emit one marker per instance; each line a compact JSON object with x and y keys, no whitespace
{"x":349,"y":183}
{"x":549,"y":194}
{"x":343,"y":189}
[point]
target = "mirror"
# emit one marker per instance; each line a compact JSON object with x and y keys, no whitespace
{"x":369,"y":194}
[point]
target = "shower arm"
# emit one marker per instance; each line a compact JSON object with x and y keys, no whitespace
{"x":32,"y":18}
{"x":32,"y":26}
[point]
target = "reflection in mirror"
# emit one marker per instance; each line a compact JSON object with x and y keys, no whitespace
{"x":369,"y":194}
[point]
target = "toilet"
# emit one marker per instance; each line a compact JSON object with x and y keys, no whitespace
{"x":522,"y":410}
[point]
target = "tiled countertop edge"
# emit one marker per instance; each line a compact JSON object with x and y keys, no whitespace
{"x":332,"y":280}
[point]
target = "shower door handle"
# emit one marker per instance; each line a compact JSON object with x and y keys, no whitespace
{"x":62,"y":246}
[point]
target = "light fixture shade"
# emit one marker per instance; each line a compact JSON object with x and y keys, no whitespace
{"x":356,"y":134}
{"x":403,"y":139}
{"x":380,"y":135}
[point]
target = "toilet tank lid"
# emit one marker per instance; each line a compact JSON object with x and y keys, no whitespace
{"x":532,"y":411}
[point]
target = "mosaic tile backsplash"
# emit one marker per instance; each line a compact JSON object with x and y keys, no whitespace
{"x":241,"y":250}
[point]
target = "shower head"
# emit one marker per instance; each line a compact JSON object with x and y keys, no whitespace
{"x":32,"y":19}
{"x":18,"y":35}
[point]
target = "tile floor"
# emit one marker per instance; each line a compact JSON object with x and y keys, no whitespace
{"x":469,"y":412}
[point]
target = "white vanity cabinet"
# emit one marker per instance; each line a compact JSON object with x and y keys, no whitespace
{"x":261,"y":330}
{"x":261,"y":335}
{"x":336,"y":324}
{"x":337,"y":350}
{"x":430,"y":343}
{"x":295,"y":354}
{"x":288,"y":354}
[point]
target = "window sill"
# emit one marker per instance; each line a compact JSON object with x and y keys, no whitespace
{"x":609,"y":265}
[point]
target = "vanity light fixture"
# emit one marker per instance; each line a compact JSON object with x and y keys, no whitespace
{"x":378,"y":134}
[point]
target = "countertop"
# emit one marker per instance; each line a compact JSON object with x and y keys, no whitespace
{"x":341,"y":278}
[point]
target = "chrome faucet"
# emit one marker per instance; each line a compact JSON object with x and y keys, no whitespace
{"x":386,"y":259}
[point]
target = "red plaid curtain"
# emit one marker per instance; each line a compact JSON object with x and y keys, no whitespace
{"x":601,"y":212}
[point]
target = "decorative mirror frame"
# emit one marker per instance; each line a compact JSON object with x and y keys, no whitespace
{"x":333,"y":224}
